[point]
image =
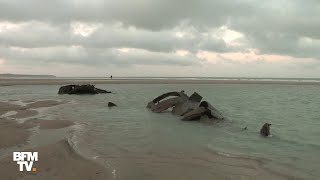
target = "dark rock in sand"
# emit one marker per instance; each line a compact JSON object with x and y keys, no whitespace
{"x":81,"y":89}
{"x":111,"y":104}
{"x":265,"y":130}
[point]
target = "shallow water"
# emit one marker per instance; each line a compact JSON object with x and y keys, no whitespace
{"x":138,"y":144}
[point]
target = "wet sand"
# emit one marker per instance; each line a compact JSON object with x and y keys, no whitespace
{"x":42,"y":104}
{"x":12,"y":82}
{"x":6,"y":107}
{"x":56,"y":161}
{"x":24,"y":114}
{"x":27,"y":110}
{"x":12,"y":133}
{"x":54,"y":124}
{"x":191,"y":166}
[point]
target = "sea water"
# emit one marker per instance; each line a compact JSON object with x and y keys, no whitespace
{"x":138,"y":144}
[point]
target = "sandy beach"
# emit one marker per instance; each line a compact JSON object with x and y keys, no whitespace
{"x":11,"y":82}
{"x":56,"y":161}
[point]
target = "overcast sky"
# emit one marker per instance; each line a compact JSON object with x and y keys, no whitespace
{"x":274,"y":38}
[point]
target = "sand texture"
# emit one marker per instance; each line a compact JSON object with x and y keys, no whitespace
{"x":56,"y":162}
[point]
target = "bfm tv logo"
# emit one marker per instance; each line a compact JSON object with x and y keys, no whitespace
{"x":25,"y":159}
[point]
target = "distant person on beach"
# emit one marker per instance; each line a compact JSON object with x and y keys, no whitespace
{"x":111,"y":77}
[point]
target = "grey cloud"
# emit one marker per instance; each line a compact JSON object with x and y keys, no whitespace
{"x":286,"y":44}
{"x":255,"y":19}
{"x":277,"y":27}
{"x":213,"y":44}
{"x":148,"y":14}
{"x":285,"y":27}
{"x":37,"y":34}
{"x":92,"y":57}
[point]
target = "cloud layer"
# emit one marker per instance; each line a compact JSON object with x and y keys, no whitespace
{"x":176,"y":35}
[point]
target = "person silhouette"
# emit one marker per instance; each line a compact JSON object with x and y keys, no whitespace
{"x":111,"y":77}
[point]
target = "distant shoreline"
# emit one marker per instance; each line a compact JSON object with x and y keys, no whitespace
{"x":57,"y":81}
{"x":25,"y":76}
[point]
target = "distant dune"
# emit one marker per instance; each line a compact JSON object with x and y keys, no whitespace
{"x":25,"y":76}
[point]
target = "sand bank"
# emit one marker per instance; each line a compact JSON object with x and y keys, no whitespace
{"x":25,"y":111}
{"x":42,"y":104}
{"x":52,"y":124}
{"x":11,"y":82}
{"x":6,"y":107}
{"x":24,"y":114}
{"x":56,"y":161}
{"x":13,"y":133}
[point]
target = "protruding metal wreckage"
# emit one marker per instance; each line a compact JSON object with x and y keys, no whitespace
{"x":190,"y":108}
